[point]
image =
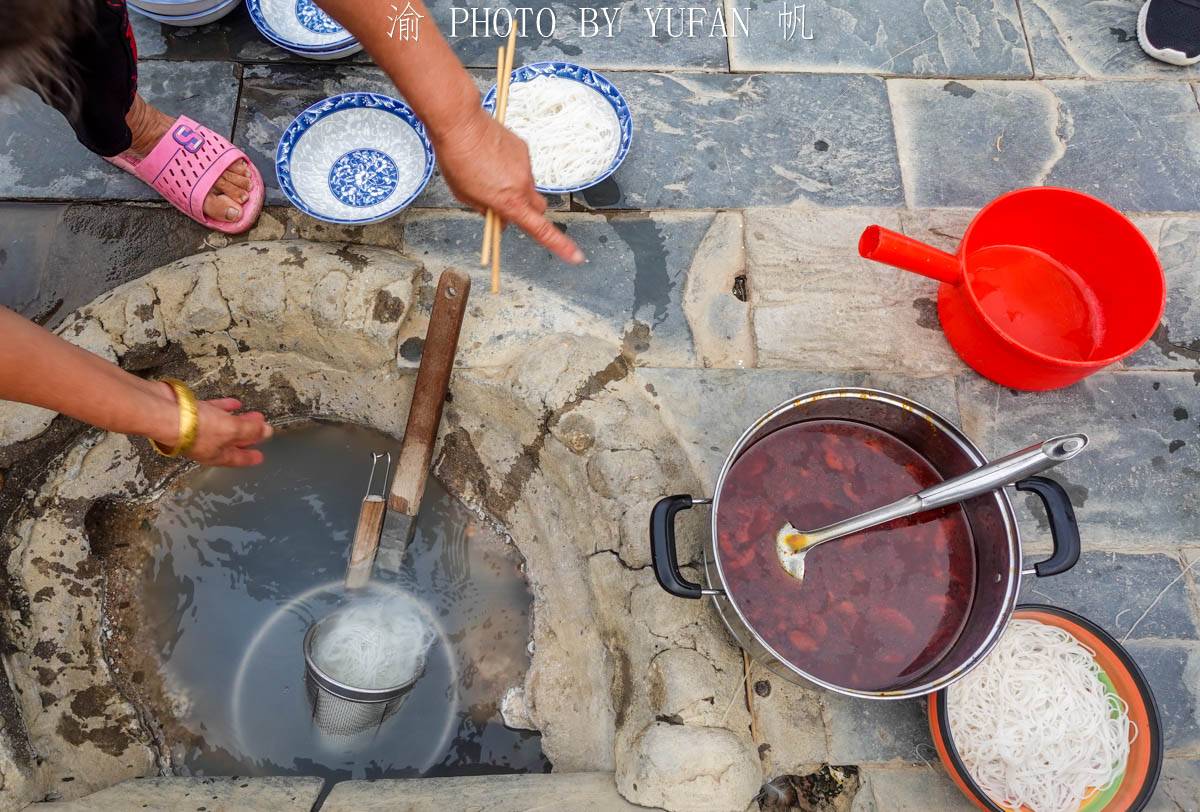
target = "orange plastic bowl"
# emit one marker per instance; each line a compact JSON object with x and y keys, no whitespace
{"x":1133,"y":789}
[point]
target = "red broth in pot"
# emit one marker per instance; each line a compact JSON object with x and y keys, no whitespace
{"x":876,"y":609}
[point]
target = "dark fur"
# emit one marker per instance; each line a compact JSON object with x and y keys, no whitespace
{"x":34,"y":36}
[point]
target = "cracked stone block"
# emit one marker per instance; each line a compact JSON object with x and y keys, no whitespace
{"x":60,"y":258}
{"x":1136,"y":485}
{"x":790,"y":723}
{"x":1097,"y":39}
{"x":819,"y":306}
{"x":214,"y":794}
{"x":1132,"y":145}
{"x":273,"y":95}
{"x":1173,"y":670}
{"x":709,"y":409}
{"x":753,"y":140}
{"x":900,"y":37}
{"x":1178,"y":787}
{"x":915,"y":790}
{"x":493,"y":793}
{"x":686,"y":767}
{"x":1134,"y":585}
{"x":40,"y":158}
{"x":867,"y":730}
{"x":632,"y":285}
{"x":631,"y":45}
{"x":1176,"y":343}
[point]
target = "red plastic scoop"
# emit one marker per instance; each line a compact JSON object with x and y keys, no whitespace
{"x":1048,"y":286}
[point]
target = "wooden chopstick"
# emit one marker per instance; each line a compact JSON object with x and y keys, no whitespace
{"x":492,"y":227}
{"x":489,"y":221}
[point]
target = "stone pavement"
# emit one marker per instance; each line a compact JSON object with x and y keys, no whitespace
{"x":727,"y":244}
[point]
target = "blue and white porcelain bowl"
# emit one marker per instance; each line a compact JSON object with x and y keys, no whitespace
{"x":185,"y":14}
{"x":300,"y":26}
{"x":598,"y":83}
{"x":353,"y":159}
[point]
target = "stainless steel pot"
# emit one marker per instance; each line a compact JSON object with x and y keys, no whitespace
{"x":993,"y":527}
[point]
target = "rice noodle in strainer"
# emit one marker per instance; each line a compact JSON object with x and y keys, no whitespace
{"x":1034,"y":723}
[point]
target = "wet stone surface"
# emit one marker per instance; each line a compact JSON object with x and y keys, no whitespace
{"x":46,"y":245}
{"x":634,"y":279}
{"x":900,"y":37}
{"x":757,"y":140}
{"x":1173,"y":670}
{"x":40,"y":158}
{"x":1144,"y":596}
{"x":963,"y":143}
{"x":1137,"y":486}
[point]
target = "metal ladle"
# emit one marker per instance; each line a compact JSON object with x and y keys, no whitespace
{"x":793,"y":545}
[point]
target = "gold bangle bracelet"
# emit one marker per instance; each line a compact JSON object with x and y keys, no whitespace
{"x":189,"y":420}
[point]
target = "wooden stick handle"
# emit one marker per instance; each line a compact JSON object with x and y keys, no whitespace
{"x":429,"y":394}
{"x":366,"y":541}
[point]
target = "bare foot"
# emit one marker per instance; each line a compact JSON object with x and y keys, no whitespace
{"x":149,"y":124}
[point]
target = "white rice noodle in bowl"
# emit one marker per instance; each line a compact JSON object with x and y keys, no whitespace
{"x":1035,"y":724}
{"x":572,"y":131}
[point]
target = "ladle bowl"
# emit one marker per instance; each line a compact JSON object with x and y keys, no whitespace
{"x":1047,"y":286}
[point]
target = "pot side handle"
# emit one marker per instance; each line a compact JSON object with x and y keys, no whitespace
{"x":662,"y":546}
{"x":1064,"y":529}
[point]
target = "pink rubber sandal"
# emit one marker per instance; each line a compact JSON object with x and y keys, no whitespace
{"x":184,"y":166}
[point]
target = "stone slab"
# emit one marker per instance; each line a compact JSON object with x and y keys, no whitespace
{"x":899,"y":37}
{"x":201,"y":794}
{"x":273,"y":95}
{"x":41,"y":160}
{"x":1136,"y":487}
{"x":1173,"y":670}
{"x":1178,"y":787}
{"x":632,"y":46}
{"x":26,"y":239}
{"x":495,"y":793}
{"x":915,"y":790}
{"x":729,"y":141}
{"x":633,"y":282}
{"x":709,"y":409}
{"x":1097,"y":39}
{"x":1176,"y":344}
{"x":1135,"y":145}
{"x":868,"y":731}
{"x":818,"y":305}
{"x":1143,"y":596}
{"x":59,"y":258}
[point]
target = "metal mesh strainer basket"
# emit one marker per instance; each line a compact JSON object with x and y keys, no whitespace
{"x":343,"y":710}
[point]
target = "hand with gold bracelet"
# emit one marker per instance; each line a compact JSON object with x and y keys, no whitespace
{"x":39,"y":368}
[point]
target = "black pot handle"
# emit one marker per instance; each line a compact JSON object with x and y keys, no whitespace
{"x":1064,"y":529}
{"x":662,"y":546}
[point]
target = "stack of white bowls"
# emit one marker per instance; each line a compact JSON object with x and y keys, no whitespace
{"x":300,"y":26}
{"x":184,"y":13}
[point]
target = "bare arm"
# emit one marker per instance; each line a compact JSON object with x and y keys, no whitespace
{"x":41,"y":369}
{"x":485,"y":165}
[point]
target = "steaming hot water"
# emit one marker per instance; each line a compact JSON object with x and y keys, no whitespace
{"x":244,"y":560}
